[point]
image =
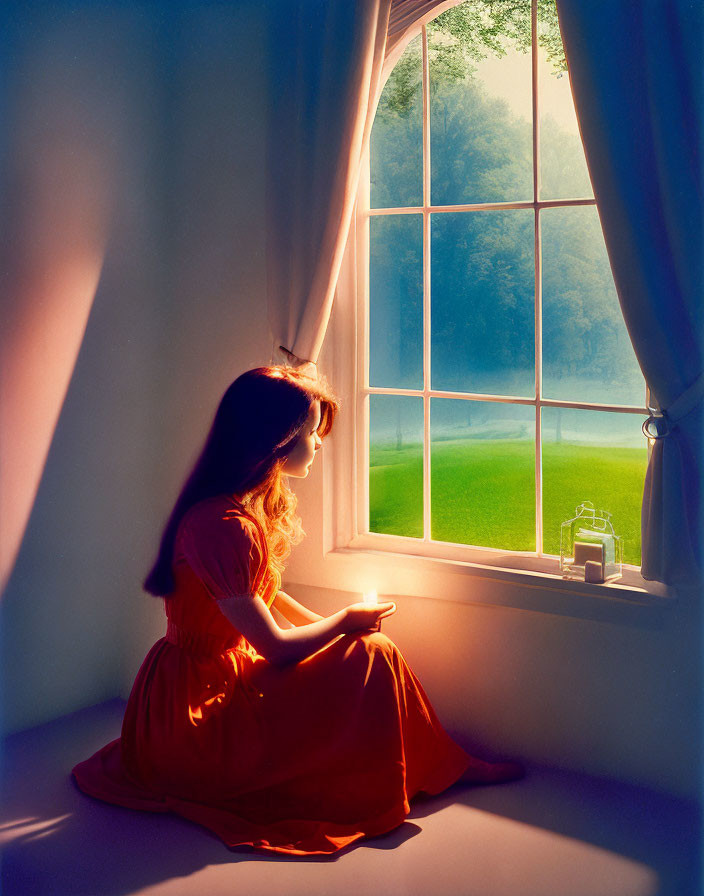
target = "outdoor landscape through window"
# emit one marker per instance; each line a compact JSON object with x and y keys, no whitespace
{"x":461,"y":302}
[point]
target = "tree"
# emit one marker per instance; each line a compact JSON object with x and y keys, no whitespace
{"x":482,"y":266}
{"x":470,"y":32}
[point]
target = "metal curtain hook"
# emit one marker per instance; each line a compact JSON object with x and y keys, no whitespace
{"x":662,"y":425}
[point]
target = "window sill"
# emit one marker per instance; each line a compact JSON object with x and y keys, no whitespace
{"x":521,"y":581}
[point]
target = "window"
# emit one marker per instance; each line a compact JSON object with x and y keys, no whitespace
{"x":500,"y":388}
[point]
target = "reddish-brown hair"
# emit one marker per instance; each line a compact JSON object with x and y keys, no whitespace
{"x":257,"y":424}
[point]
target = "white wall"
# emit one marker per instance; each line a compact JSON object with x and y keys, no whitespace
{"x":214,"y":317}
{"x":178,"y":314}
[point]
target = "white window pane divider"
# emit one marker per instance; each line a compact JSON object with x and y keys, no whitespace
{"x":481,"y":206}
{"x":427,"y":497}
{"x":538,"y":289}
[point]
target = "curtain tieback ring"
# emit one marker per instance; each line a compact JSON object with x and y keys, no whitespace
{"x":663,"y":420}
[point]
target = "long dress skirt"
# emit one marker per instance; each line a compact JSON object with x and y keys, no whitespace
{"x":300,"y":759}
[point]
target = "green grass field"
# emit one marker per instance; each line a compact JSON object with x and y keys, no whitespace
{"x":483,"y":492}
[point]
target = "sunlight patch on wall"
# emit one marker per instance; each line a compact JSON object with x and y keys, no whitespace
{"x":57,"y":206}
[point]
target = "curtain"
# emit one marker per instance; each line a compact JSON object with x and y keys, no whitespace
{"x":329,"y":61}
{"x":325,"y":63}
{"x":636,"y":77}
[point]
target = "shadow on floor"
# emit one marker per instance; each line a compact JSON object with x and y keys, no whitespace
{"x":58,"y":841}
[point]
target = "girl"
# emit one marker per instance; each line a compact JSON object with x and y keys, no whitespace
{"x":297,"y":740}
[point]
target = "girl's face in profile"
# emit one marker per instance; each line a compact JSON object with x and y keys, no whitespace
{"x":300,"y":458}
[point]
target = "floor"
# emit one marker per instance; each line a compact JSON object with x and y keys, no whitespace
{"x":554,"y":833}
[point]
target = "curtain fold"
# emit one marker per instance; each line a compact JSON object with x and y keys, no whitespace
{"x":405,"y":20}
{"x":326,"y":65}
{"x":329,"y":61}
{"x":636,"y":78}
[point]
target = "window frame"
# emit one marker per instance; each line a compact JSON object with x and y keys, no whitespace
{"x":346,"y":473}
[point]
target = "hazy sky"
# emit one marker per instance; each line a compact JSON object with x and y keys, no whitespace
{"x":509,"y":77}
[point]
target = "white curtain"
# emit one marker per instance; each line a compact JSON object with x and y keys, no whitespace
{"x":329,"y":61}
{"x":326,"y":63}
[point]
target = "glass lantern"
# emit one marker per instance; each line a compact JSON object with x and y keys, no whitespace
{"x":589,"y":549}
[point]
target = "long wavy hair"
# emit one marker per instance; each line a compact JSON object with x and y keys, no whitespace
{"x":257,"y":424}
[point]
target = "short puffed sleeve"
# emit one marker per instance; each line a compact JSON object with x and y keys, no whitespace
{"x":221,"y":549}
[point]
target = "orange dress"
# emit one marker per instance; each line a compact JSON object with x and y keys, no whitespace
{"x":301,"y":759}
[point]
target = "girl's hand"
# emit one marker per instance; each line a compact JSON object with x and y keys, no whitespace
{"x":365,"y":616}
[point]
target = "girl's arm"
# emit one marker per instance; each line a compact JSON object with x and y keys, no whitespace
{"x":252,"y":618}
{"x":293,"y":611}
